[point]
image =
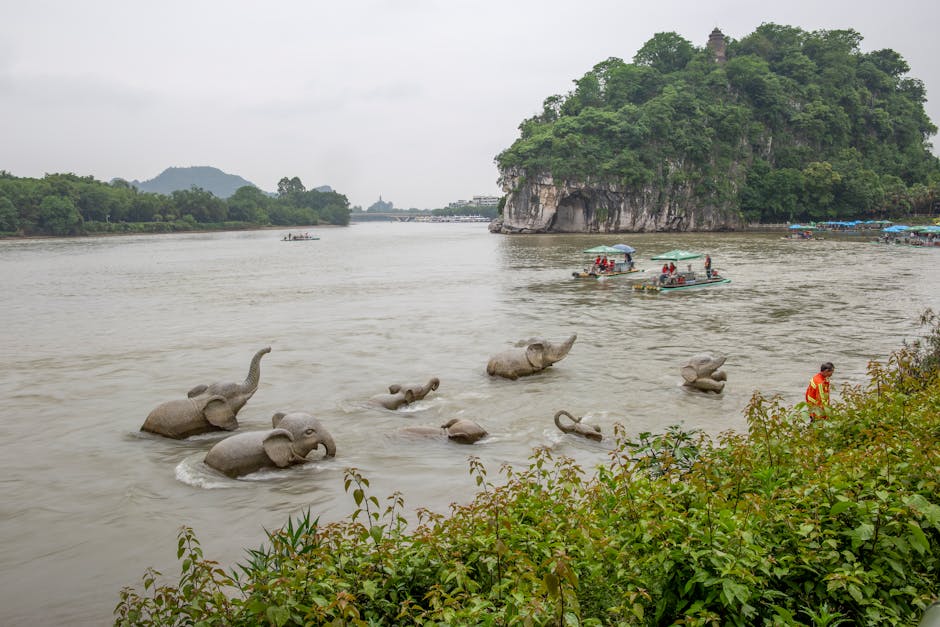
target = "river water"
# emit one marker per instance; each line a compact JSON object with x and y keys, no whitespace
{"x":98,"y":331}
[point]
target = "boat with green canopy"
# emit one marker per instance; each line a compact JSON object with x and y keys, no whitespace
{"x":673,"y":279}
{"x":603,"y":266}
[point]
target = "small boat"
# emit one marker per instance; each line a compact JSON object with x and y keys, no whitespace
{"x":612,"y":268}
{"x":300,"y":237}
{"x":680,"y":279}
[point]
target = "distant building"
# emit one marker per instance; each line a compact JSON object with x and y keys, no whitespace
{"x":717,"y":45}
{"x":478,"y":201}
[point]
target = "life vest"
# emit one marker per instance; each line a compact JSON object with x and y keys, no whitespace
{"x":817,"y":392}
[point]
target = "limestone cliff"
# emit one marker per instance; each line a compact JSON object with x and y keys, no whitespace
{"x":544,"y":205}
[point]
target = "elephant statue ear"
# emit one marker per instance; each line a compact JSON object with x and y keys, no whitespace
{"x":196,"y":391}
{"x":219,"y":413}
{"x":689,"y":373}
{"x":279,"y":447}
{"x":276,"y":418}
{"x":535,"y":354}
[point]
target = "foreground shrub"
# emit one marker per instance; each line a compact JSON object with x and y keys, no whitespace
{"x":837,"y":522}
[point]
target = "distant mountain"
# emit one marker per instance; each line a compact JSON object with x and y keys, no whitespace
{"x":210,"y":179}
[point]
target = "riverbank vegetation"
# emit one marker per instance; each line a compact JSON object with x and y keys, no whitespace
{"x":835,"y":522}
{"x":781,"y":125}
{"x":66,"y":204}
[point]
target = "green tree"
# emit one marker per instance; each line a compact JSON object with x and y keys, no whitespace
{"x":665,"y":52}
{"x":58,"y":216}
{"x":9,"y":218}
{"x":249,"y":204}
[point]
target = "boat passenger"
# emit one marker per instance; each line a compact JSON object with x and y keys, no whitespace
{"x":629,"y":260}
{"x":672,"y":268}
{"x":708,"y":266}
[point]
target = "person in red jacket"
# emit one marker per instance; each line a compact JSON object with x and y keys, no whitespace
{"x":817,"y":392}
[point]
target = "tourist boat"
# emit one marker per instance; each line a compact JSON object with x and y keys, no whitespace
{"x":681,"y":279}
{"x":300,"y":237}
{"x":619,"y":268}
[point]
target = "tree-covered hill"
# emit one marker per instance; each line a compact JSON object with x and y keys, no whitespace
{"x":67,"y":204}
{"x":783,"y":124}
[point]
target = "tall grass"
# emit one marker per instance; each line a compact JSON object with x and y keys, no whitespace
{"x":835,"y":522}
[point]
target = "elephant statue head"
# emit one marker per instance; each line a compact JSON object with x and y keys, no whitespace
{"x":207,"y":407}
{"x":293,"y":437}
{"x":456,"y":429}
{"x":702,"y":373}
{"x":393,"y":400}
{"x":591,"y":432}
{"x":418,"y":391}
{"x":528,"y":357}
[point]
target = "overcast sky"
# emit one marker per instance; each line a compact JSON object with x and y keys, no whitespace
{"x":407,"y":99}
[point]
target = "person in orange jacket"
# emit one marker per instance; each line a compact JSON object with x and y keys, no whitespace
{"x":817,"y":392}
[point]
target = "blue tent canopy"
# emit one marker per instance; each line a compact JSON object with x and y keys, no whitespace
{"x":624,"y":248}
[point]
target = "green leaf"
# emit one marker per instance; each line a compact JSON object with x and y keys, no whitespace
{"x":840,"y":507}
{"x":551,"y":584}
{"x":917,"y":538}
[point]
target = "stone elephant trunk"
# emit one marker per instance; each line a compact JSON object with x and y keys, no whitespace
{"x":591,"y":432}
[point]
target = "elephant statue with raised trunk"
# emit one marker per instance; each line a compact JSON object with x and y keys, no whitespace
{"x":456,"y":429}
{"x":575,"y":426}
{"x":418,"y":391}
{"x":528,"y":357}
{"x":207,"y":407}
{"x":293,"y":437}
{"x":393,"y":400}
{"x":702,"y":373}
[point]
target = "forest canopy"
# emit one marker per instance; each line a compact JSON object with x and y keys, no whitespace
{"x":67,"y":204}
{"x":784,"y":125}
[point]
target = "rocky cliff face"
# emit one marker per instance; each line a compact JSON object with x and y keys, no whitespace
{"x":543,"y":205}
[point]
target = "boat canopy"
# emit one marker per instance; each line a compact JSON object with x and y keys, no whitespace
{"x":677,"y":255}
{"x":803,"y":227}
{"x":603,"y":250}
{"x":624,"y":248}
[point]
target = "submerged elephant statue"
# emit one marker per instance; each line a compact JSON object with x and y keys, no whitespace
{"x":456,"y":429}
{"x":207,"y":407}
{"x":418,"y":391}
{"x":591,"y":432}
{"x":290,"y":441}
{"x":393,"y":400}
{"x":528,"y":357}
{"x":702,"y":373}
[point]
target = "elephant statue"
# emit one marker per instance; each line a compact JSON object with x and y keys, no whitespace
{"x":418,"y":391}
{"x":456,"y":429}
{"x":528,"y":357}
{"x":207,"y":407}
{"x":702,"y":373}
{"x":591,"y":432}
{"x":294,"y":435}
{"x":393,"y":400}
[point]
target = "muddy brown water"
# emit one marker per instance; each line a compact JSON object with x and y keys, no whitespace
{"x":96,"y":332}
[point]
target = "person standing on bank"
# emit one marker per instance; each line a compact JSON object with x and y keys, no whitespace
{"x":817,"y":392}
